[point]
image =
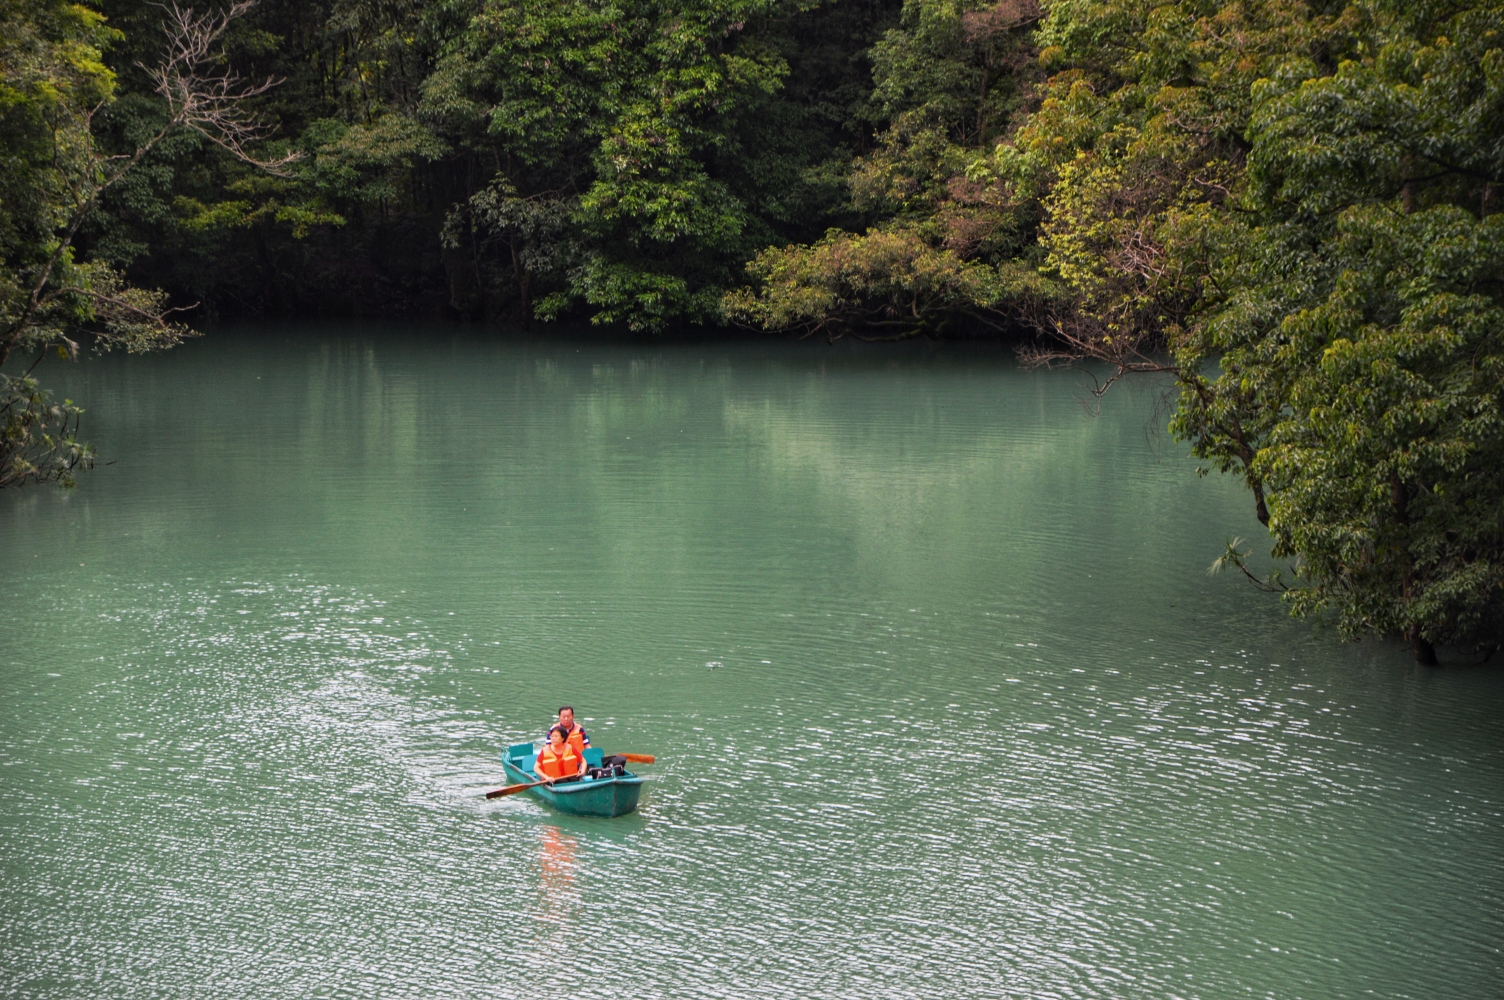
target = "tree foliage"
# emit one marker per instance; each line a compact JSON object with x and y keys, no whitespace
{"x":38,"y":435}
{"x":618,"y":161}
{"x":1294,"y":210}
{"x":945,"y":251}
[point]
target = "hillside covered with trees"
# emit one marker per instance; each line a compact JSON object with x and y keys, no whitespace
{"x":1291,"y":210}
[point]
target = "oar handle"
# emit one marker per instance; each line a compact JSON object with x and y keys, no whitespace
{"x":512,"y":790}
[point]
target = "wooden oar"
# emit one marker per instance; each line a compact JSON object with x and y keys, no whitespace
{"x":636,"y":758}
{"x":512,"y":790}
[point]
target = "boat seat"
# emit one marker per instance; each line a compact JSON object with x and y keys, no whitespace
{"x":593,"y":757}
{"x":521,"y":751}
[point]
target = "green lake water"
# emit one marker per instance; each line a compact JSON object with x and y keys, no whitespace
{"x":944,"y":702}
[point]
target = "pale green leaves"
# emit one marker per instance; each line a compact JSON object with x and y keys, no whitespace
{"x":883,"y":283}
{"x":38,"y":436}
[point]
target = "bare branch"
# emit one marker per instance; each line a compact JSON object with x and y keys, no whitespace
{"x":203,"y":93}
{"x":1076,"y":338}
{"x":124,"y":305}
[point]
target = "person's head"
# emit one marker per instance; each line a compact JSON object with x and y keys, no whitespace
{"x":566,"y":716}
{"x":557,"y":736}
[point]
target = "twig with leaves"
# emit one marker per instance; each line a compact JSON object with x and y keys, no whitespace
{"x":1238,"y":559}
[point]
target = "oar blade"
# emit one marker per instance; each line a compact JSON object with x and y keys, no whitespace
{"x":638,"y":758}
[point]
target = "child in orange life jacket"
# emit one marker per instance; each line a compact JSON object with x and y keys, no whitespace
{"x":558,"y":759}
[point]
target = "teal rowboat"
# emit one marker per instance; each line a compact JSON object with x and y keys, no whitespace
{"x":586,"y":797}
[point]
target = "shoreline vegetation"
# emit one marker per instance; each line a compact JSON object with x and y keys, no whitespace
{"x":1290,"y":209}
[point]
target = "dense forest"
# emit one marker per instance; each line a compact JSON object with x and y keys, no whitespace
{"x":1291,"y":210}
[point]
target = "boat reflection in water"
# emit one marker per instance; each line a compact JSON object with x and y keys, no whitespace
{"x":560,"y":896}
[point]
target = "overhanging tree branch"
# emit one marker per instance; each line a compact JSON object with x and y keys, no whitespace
{"x":202,"y":94}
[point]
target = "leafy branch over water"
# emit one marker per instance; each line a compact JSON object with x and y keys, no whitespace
{"x":38,"y":436}
{"x":1237,"y":558}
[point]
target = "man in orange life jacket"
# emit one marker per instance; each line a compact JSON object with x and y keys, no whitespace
{"x":578,"y":738}
{"x":558,"y":758}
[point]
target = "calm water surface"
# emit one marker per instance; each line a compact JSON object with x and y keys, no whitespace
{"x":943,"y":699}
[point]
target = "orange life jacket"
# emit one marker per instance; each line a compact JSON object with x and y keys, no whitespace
{"x":576,"y":739}
{"x":564,"y":764}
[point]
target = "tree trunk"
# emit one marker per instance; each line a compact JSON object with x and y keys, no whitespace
{"x":1425,"y":653}
{"x":1260,"y":509}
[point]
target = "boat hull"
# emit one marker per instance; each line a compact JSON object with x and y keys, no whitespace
{"x":603,"y":797}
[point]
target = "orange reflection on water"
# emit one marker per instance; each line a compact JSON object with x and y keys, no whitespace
{"x":559,"y":899}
